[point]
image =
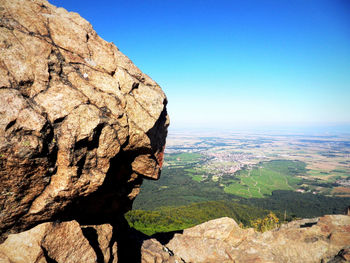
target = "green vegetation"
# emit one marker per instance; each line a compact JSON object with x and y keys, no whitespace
{"x":187,"y":195}
{"x":331,"y":176}
{"x":268,"y":223}
{"x":176,"y":188}
{"x":190,"y":162}
{"x":196,"y":177}
{"x":182,"y":158}
{"x":196,"y":187}
{"x":265,"y":178}
{"x":300,"y":205}
{"x":165,"y":219}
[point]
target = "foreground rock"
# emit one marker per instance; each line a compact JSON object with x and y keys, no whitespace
{"x":80,"y":125}
{"x":68,"y":242}
{"x":326,"y":239}
{"x":321,"y":240}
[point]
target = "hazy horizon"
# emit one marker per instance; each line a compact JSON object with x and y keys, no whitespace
{"x":322,"y":131}
{"x":236,"y":63}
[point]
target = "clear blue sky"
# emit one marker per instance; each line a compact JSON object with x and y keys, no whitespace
{"x":234,"y":63}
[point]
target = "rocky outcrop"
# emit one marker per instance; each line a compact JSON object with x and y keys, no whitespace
{"x":80,"y":125}
{"x":326,"y":239}
{"x":70,"y":242}
{"x":61,"y":242}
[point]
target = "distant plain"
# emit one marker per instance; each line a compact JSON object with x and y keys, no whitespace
{"x":293,"y":175}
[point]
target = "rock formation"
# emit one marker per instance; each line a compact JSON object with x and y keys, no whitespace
{"x":69,"y":242}
{"x":326,"y":239}
{"x":80,"y":124}
{"x":80,"y":127}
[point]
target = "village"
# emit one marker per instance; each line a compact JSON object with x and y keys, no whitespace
{"x":208,"y":157}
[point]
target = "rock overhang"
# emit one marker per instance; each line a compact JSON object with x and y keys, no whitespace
{"x":80,"y":125}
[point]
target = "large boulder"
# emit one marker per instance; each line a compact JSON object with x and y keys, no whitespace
{"x":70,"y":242}
{"x":325,"y":239}
{"x":80,"y":124}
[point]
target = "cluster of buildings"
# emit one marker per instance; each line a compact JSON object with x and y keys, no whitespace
{"x":344,"y":182}
{"x":228,"y":162}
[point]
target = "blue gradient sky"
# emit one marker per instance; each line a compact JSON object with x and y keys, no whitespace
{"x":236,"y":63}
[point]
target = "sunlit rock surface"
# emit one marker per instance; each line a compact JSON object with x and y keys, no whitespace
{"x":80,"y":124}
{"x":325,"y":239}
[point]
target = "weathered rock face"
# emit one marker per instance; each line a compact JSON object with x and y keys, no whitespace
{"x":80,"y":125}
{"x":326,"y":239}
{"x":70,"y":242}
{"x":222,"y":240}
{"x":62,"y":242}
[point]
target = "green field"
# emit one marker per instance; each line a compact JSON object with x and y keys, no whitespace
{"x":265,"y":178}
{"x":190,"y":162}
{"x":269,"y":185}
{"x":181,"y":159}
{"x":258,"y":182}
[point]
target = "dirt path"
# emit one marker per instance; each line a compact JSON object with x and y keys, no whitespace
{"x":248,"y":185}
{"x":255,"y":184}
{"x":288,"y":183}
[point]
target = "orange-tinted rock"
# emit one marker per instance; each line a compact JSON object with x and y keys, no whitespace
{"x":222,"y":240}
{"x":153,"y":251}
{"x":60,"y":242}
{"x":77,"y":120}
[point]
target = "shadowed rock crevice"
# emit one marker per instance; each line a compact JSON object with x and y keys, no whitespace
{"x":308,"y":224}
{"x":10,"y":124}
{"x":112,"y":199}
{"x":80,"y":164}
{"x":136,"y":247}
{"x":129,"y":242}
{"x":59,"y":120}
{"x":157,"y":133}
{"x":91,"y":235}
{"x":164,"y":238}
{"x":47,"y":257}
{"x":25,"y":87}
